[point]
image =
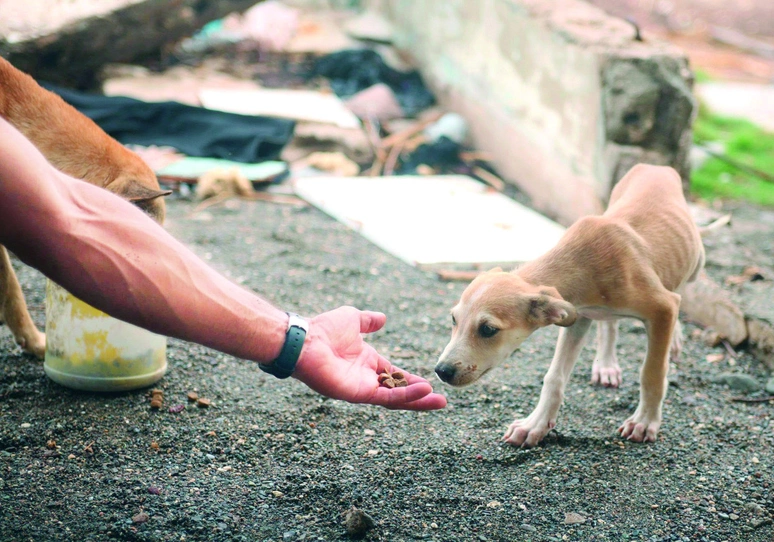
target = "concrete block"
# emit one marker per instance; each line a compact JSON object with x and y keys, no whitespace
{"x":563,"y":95}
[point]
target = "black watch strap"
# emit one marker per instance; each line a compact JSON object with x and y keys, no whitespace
{"x":284,"y":365}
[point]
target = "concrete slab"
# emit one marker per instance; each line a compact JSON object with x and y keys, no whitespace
{"x":305,"y":105}
{"x":435,"y":219}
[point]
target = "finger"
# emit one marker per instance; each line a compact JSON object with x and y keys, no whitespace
{"x":371,"y":321}
{"x":397,"y":397}
{"x":433,"y":401}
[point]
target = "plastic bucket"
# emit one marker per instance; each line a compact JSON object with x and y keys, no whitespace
{"x":88,"y":350}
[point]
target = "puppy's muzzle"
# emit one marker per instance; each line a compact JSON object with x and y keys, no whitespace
{"x":446,"y":372}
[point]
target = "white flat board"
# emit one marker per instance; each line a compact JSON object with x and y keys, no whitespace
{"x":426,"y":220}
{"x":305,"y":105}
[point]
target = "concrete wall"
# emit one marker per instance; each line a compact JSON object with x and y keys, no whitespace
{"x":563,"y":95}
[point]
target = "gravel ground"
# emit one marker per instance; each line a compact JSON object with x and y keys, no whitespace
{"x":272,"y":461}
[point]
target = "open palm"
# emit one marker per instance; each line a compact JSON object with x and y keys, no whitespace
{"x":338,"y":363}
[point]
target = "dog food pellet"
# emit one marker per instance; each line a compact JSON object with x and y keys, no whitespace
{"x":156,"y":403}
{"x":394,"y":380}
{"x":51,"y":444}
{"x":192,"y":396}
{"x":154,"y":445}
{"x":203,"y":403}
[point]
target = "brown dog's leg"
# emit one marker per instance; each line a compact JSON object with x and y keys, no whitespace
{"x":660,"y":322}
{"x":14,"y":310}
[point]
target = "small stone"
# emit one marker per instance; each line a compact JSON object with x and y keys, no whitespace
{"x":289,"y":535}
{"x":142,"y":517}
{"x":357,"y":522}
{"x":723,"y":515}
{"x":573,"y":518}
{"x":770,"y":385}
{"x":369,"y":432}
{"x":71,"y":456}
{"x":203,"y":403}
{"x":26,"y":425}
{"x":192,"y":396}
{"x":153,"y":490}
{"x":528,"y":527}
{"x":714,"y":358}
{"x":433,"y":525}
{"x":494,"y":504}
{"x":738,"y":382}
{"x":733,"y":517}
{"x":277,"y":494}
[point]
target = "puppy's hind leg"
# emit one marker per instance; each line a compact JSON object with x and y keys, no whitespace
{"x":660,"y":319}
{"x":527,"y":432}
{"x":676,"y":348}
{"x":605,"y":369}
{"x":14,"y":310}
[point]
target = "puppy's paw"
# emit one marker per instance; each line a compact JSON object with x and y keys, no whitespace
{"x":33,"y":342}
{"x":528,"y":432}
{"x":606,"y":374}
{"x":640,"y":428}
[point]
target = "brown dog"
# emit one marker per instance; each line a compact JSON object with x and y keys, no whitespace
{"x":629,"y":262}
{"x":78,"y":147}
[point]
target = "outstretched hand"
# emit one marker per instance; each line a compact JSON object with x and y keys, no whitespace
{"x":338,"y":363}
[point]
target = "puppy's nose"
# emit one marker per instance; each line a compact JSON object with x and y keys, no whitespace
{"x":445,"y":372}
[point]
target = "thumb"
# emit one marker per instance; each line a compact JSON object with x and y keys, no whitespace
{"x":371,"y":321}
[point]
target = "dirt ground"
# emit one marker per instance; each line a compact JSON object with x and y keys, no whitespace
{"x":273,"y":461}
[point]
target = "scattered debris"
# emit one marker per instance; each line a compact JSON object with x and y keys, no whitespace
{"x":330,"y":162}
{"x":51,"y":444}
{"x":154,"y":446}
{"x":140,"y":517}
{"x":451,"y":125}
{"x":176,"y":409}
{"x":357,"y":522}
{"x":714,"y":358}
{"x":153,"y":490}
{"x":572,"y":518}
{"x":157,"y":399}
{"x":376,"y":102}
{"x":738,"y":382}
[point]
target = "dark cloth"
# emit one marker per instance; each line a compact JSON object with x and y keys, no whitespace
{"x":352,"y":70}
{"x":443,"y":156}
{"x":194,"y":131}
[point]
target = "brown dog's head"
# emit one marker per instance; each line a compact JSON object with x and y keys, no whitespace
{"x":495,"y":314}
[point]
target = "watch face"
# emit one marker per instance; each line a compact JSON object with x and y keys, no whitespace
{"x":297,"y":321}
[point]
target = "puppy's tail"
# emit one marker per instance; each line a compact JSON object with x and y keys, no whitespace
{"x":724,"y":220}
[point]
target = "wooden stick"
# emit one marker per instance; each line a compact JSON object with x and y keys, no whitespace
{"x":489,"y":178}
{"x":409,"y":132}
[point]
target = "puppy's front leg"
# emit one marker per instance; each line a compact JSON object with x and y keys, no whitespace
{"x":529,"y":431}
{"x":644,"y":424}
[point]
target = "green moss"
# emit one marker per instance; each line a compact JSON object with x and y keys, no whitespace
{"x":744,"y":143}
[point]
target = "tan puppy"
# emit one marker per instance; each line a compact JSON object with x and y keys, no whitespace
{"x":78,"y":147}
{"x":629,"y":262}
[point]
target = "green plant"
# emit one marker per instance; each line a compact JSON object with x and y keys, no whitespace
{"x":742,"y":143}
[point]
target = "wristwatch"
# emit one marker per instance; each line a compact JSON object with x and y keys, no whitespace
{"x":284,"y":365}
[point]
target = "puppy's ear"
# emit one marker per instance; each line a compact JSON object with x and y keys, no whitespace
{"x":495,"y":270}
{"x":546,"y":310}
{"x":139,"y":193}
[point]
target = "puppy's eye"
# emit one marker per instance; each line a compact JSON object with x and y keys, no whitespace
{"x":454,"y":320}
{"x":486,"y":331}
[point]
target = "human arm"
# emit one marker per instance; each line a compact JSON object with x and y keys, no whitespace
{"x":109,"y":254}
